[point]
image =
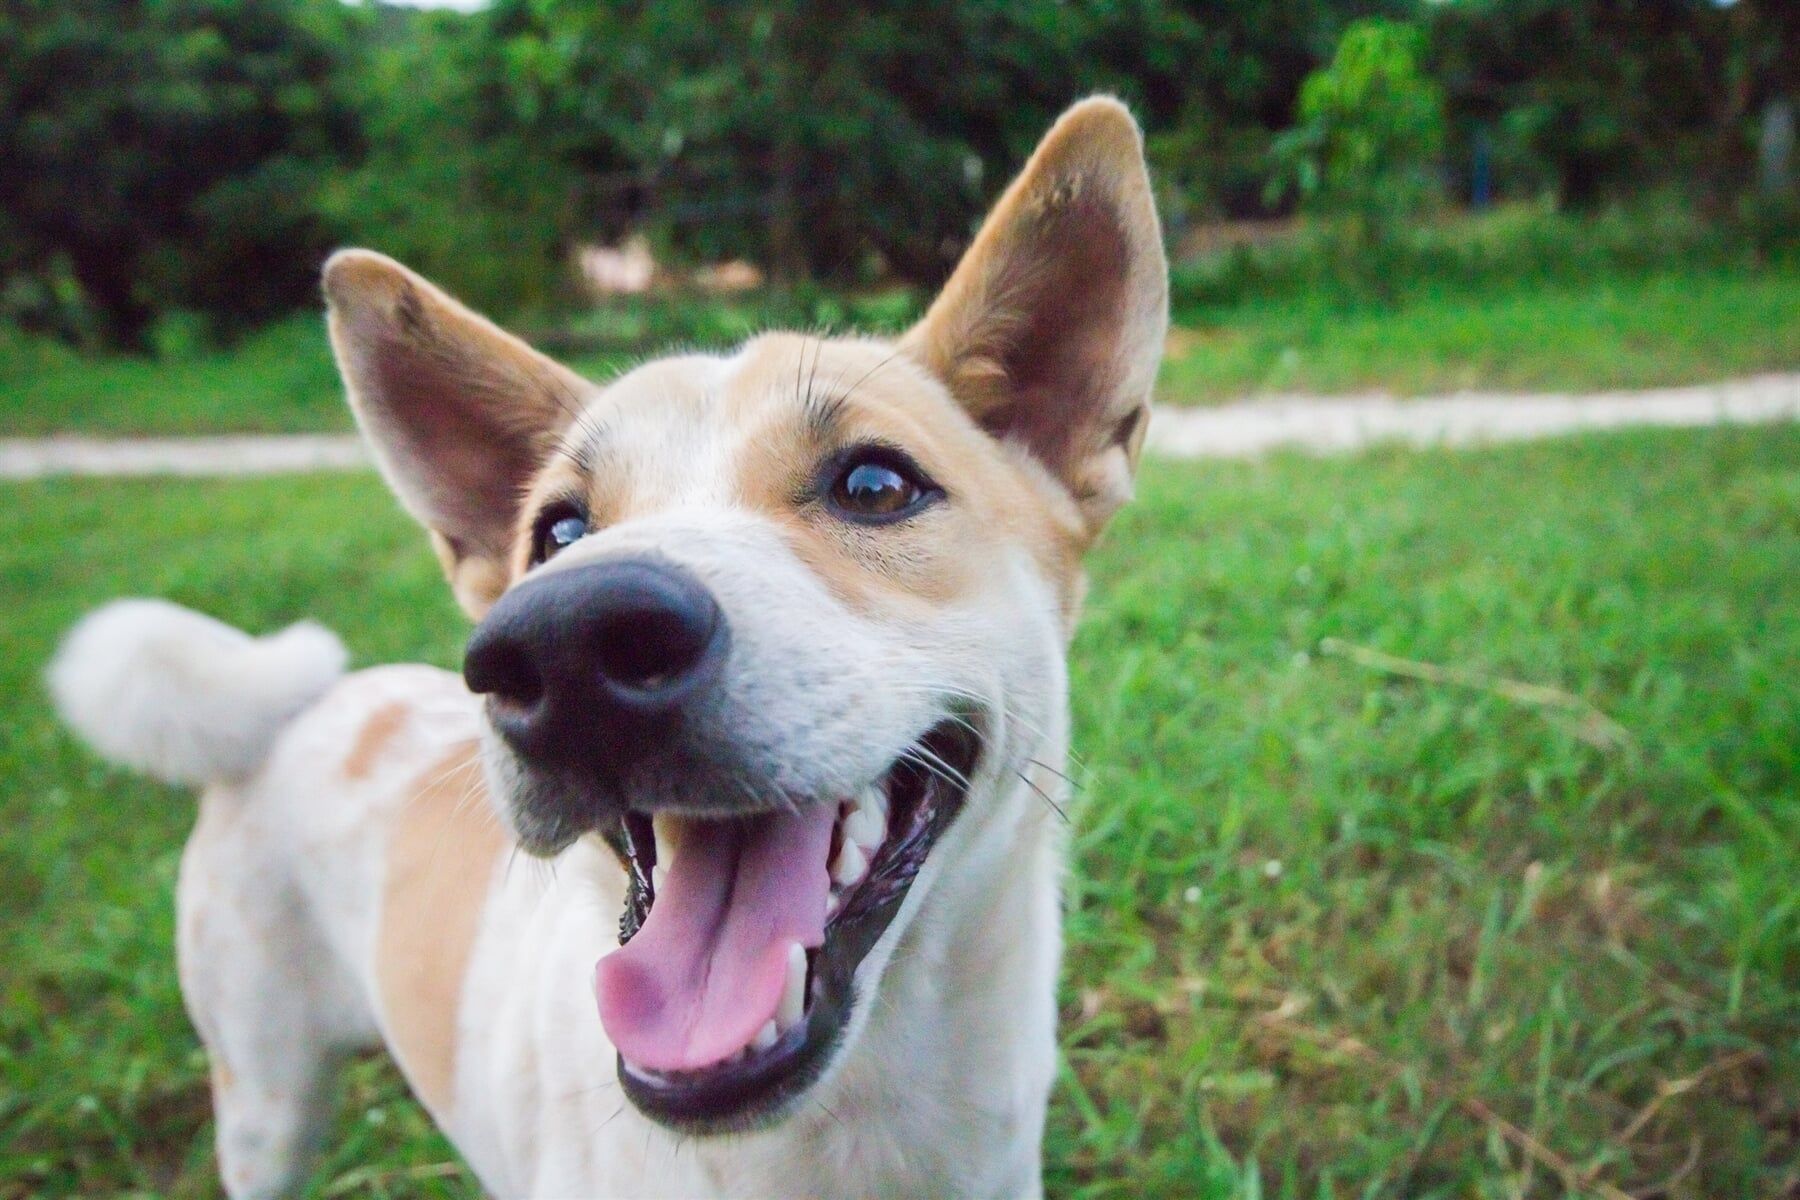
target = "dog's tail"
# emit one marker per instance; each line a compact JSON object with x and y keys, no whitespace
{"x":180,"y":696}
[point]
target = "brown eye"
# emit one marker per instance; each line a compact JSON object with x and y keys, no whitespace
{"x":880,"y":486}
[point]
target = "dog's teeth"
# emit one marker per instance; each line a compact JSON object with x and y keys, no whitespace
{"x":765,"y":1037}
{"x":832,"y":904}
{"x":668,"y":837}
{"x":793,"y":990}
{"x":850,"y":865}
{"x":867,"y":823}
{"x":658,"y":873}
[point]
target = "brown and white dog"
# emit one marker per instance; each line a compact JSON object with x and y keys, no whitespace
{"x":770,"y":665}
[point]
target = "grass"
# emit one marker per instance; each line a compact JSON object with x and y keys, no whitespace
{"x":1335,"y":930}
{"x":1519,"y":297}
{"x":1667,"y":325}
{"x":1670,"y":327}
{"x":279,"y":380}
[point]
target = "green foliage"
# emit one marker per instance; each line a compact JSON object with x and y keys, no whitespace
{"x":866,"y":140}
{"x":1315,"y":909}
{"x":770,"y":132}
{"x":462,"y":199}
{"x":1592,"y":100}
{"x":166,"y":154}
{"x":198,"y":156}
{"x":1514,"y":244}
{"x":1370,"y":129}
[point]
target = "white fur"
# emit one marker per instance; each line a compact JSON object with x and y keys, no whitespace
{"x":941,"y":1090}
{"x":180,"y":696}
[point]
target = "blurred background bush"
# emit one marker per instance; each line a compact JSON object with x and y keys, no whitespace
{"x":172,"y":171}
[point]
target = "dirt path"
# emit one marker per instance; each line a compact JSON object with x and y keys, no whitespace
{"x":248,"y":454}
{"x":1315,"y":424}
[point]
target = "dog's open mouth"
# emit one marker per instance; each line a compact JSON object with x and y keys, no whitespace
{"x":741,"y":936}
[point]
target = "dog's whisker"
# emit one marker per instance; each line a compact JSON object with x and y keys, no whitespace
{"x":867,"y":375}
{"x":930,"y":760}
{"x":598,"y":1129}
{"x":582,"y":1093}
{"x":1055,"y":807}
{"x":440,"y":779}
{"x":1044,"y":766}
{"x":448,"y":820}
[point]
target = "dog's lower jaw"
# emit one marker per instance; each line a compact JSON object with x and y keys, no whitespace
{"x":944,"y":1089}
{"x":963,"y":1039}
{"x":941,"y":1092}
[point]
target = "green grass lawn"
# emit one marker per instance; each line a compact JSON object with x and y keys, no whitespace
{"x":1687,"y":326}
{"x":1336,"y":930}
{"x":1674,"y":326}
{"x":278,"y":380}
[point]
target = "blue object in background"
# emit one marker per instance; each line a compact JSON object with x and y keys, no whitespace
{"x":1481,"y":181}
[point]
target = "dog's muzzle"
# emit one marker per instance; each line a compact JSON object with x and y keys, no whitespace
{"x":746,"y":915}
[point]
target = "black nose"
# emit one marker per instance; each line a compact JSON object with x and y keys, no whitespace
{"x":598,"y":660}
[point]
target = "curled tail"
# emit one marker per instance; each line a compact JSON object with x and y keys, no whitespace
{"x":180,"y":696}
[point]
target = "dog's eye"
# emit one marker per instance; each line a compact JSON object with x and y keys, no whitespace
{"x":558,"y":527}
{"x":879,"y":485}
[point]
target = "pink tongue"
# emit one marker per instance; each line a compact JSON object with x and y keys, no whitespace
{"x":705,"y":972}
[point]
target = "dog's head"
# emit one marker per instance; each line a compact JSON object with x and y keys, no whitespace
{"x":782,"y":627}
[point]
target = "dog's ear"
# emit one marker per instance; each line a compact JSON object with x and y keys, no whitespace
{"x":1051,"y":328}
{"x":460,"y":413}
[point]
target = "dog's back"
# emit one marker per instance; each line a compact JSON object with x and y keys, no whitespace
{"x":328,"y":894}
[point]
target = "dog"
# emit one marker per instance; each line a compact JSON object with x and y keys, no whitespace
{"x":768,"y":663}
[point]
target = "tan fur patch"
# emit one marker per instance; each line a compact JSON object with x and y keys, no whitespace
{"x":443,"y":849}
{"x":376,"y":733}
{"x":222,"y":1078}
{"x":1052,"y":325}
{"x":998,"y":500}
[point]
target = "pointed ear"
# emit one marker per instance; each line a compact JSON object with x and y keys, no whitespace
{"x":460,"y":413}
{"x":1051,"y":328}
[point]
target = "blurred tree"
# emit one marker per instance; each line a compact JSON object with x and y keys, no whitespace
{"x":1592,"y":99}
{"x":462,"y":197}
{"x":825,"y":139}
{"x":201,"y":154}
{"x":779,"y":132}
{"x":197,"y":153}
{"x":166,"y":153}
{"x":1218,"y":80}
{"x":1369,"y":133}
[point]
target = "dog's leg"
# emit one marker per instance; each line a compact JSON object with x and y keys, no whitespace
{"x":272,"y":1004}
